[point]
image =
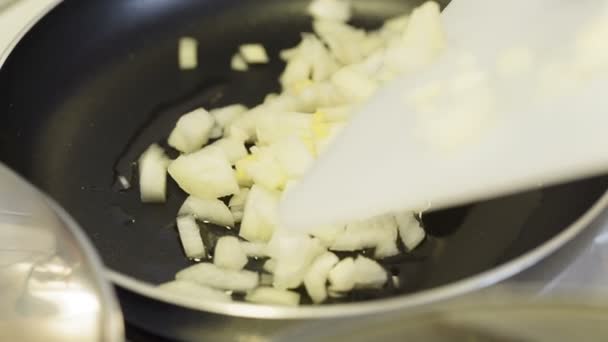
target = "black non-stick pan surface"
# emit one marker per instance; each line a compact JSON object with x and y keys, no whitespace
{"x":95,"y":82}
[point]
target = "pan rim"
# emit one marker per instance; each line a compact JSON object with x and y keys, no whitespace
{"x":28,"y":24}
{"x":409,"y":301}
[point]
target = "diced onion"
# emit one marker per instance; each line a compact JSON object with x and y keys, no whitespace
{"x":238,"y":63}
{"x":210,"y":275}
{"x":153,"y":174}
{"x":270,"y":295}
{"x":258,"y":154}
{"x":294,"y":156}
{"x":187,"y":53}
{"x":339,"y":10}
{"x":327,"y":234}
{"x":270,"y":265}
{"x":228,"y":253}
{"x":354,"y":84}
{"x":294,"y":253}
{"x":342,"y":276}
{"x":216,"y":132}
{"x":254,"y":53}
{"x":368,"y":273}
{"x":409,"y":230}
{"x":224,"y":116}
{"x":193,"y":290}
{"x":265,"y":170}
{"x":274,"y":127}
{"x":254,"y":249}
{"x":190,"y":237}
{"x":232,"y":148}
{"x":261,"y":214}
{"x":237,"y":204}
{"x":380,"y":231}
{"x":191,"y":131}
{"x":316,"y":277}
{"x":206,"y":174}
{"x":212,"y":210}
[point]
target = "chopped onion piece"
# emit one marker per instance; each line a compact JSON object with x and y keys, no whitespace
{"x":224,"y":116}
{"x":191,"y":131}
{"x":386,"y":249}
{"x":270,"y":265}
{"x":294,"y":253}
{"x":254,"y":249}
{"x":190,"y":236}
{"x":379,"y":232}
{"x":270,"y":295}
{"x":261,"y":214}
{"x":290,"y":53}
{"x":409,"y":230}
{"x":193,"y":290}
{"x":327,"y":234}
{"x":421,"y":42}
{"x":354,"y":84}
{"x":413,"y":237}
{"x":254,"y":53}
{"x":216,"y":132}
{"x":297,"y":71}
{"x":265,"y":170}
{"x":232,"y":148}
{"x":369,"y":273}
{"x":339,"y":10}
{"x":425,"y":28}
{"x":335,"y":114}
{"x":310,"y":96}
{"x":283,"y":103}
{"x":294,"y":156}
{"x":354,"y":239}
{"x":405,"y":219}
{"x":237,"y":204}
{"x":238,"y":63}
{"x":274,"y":127}
{"x":342,"y":276}
{"x":187,"y":51}
{"x":212,"y":210}
{"x":153,"y":174}
{"x":345,"y":42}
{"x":246,"y":123}
{"x":228,"y":254}
{"x":208,"y":274}
{"x":239,"y":199}
{"x":395,"y":26}
{"x":316,"y":277}
{"x":237,"y":134}
{"x":386,"y":243}
{"x":242,"y":167}
{"x":206,"y":174}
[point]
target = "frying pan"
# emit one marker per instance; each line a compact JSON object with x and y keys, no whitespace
{"x":93,"y":83}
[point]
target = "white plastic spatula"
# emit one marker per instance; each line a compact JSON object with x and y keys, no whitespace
{"x":517,"y":99}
